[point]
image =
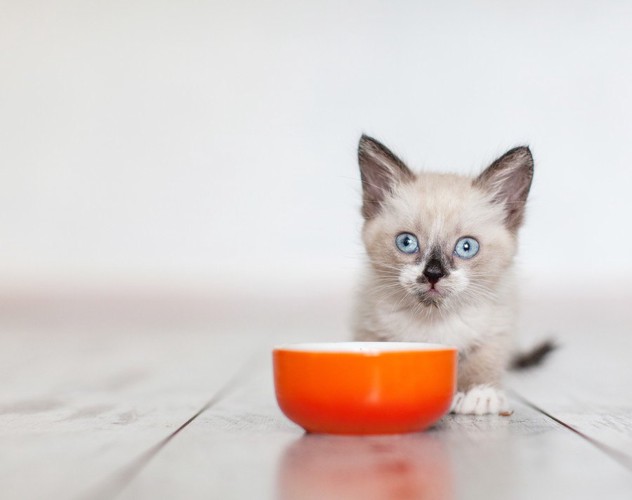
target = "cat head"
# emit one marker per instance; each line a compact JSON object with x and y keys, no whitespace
{"x":441,"y":239}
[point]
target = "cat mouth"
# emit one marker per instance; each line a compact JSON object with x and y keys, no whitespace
{"x":430,"y":297}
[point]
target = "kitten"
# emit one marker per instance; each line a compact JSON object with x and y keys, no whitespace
{"x":440,"y":250}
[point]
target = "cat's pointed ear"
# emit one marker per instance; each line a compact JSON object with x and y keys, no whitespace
{"x":381,"y":171}
{"x":508,"y":179}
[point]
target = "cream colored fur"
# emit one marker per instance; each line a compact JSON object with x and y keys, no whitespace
{"x":476,"y":311}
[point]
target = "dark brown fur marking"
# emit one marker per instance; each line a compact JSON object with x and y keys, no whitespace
{"x":534,"y":356}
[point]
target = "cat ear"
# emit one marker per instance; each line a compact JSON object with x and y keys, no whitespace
{"x":509,"y":180}
{"x":381,"y":171}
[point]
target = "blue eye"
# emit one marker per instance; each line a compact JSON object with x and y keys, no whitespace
{"x":407,"y":243}
{"x":466,"y":247}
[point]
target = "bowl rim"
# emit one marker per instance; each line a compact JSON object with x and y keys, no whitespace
{"x":362,"y":348}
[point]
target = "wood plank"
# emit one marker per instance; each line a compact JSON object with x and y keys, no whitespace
{"x":84,"y":395}
{"x":81,"y":395}
{"x":587,"y":382}
{"x":245,"y":448}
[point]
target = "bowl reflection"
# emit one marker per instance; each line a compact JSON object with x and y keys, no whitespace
{"x":415,"y":466}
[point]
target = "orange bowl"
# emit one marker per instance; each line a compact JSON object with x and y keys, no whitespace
{"x":364,"y":387}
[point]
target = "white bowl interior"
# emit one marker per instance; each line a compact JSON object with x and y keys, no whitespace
{"x":363,"y":347}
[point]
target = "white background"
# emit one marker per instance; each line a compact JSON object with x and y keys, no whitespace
{"x":213,"y":143}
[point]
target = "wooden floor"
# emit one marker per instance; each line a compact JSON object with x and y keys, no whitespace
{"x":171,"y":397}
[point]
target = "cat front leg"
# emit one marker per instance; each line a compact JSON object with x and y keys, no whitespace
{"x":479,"y":392}
{"x":480,"y":400}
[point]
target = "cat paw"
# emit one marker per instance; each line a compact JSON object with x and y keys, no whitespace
{"x":480,"y":400}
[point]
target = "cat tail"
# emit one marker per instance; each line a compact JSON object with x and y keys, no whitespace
{"x":534,"y":356}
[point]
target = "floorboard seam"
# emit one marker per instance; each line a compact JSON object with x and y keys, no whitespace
{"x":620,"y":457}
{"x":117,"y":482}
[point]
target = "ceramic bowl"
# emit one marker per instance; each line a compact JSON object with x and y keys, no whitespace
{"x":364,"y":387}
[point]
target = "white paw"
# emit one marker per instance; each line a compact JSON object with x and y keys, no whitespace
{"x":480,"y":400}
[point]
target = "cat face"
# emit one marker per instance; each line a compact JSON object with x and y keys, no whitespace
{"x":441,"y":239}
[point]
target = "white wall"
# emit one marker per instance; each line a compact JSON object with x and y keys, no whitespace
{"x":191,"y":142}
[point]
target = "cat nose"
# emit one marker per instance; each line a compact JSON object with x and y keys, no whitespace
{"x":434,"y":271}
